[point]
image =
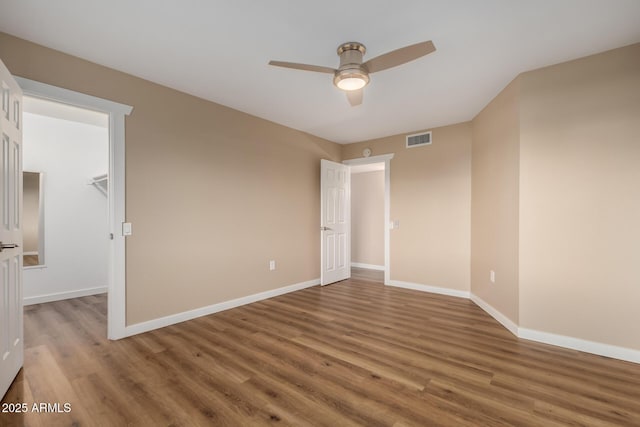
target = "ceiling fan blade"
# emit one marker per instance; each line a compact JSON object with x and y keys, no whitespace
{"x":399,"y":56}
{"x":304,"y":67}
{"x":355,"y":97}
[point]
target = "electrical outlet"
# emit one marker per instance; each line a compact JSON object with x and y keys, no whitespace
{"x":492,"y":276}
{"x":272,"y":265}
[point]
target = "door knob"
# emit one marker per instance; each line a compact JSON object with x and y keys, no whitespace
{"x":326,"y":229}
{"x":7,"y":246}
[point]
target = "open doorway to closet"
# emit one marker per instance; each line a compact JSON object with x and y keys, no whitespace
{"x":367,"y":221}
{"x":65,"y":163}
{"x":372,"y":219}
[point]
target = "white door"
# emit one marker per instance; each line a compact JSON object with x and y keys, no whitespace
{"x":335,"y":226}
{"x":11,"y":345}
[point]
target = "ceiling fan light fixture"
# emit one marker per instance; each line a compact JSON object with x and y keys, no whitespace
{"x":353,"y":74}
{"x":351,"y":79}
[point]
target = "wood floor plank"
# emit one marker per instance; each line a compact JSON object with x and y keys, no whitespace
{"x":356,"y":353}
{"x":350,"y":377}
{"x":48,"y":384}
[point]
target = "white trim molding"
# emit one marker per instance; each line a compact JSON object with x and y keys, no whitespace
{"x":117,"y":275}
{"x":601,"y":349}
{"x":367,"y":266}
{"x":383,"y":158}
{"x":490,"y":310}
{"x":572,"y":343}
{"x":70,"y":97}
{"x":386,"y":158}
{"x":622,"y":353}
{"x":59,"y":296}
{"x":431,"y":289}
{"x":139,"y":328}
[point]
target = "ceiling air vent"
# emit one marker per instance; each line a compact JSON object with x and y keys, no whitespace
{"x":419,"y":139}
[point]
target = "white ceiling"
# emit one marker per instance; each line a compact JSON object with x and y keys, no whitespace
{"x":218,"y":50}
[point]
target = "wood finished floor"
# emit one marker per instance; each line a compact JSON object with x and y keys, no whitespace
{"x":355,"y":353}
{"x":30,"y":260}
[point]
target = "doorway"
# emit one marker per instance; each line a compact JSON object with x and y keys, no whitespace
{"x":65,"y":210}
{"x":384,"y":159}
{"x":116,"y":112}
{"x":367,"y":222}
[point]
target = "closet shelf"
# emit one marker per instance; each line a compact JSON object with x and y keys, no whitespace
{"x":101,"y":182}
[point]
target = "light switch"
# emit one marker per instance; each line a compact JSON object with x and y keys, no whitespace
{"x":126,"y":229}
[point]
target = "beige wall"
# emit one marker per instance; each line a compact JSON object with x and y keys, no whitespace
{"x":213,"y":193}
{"x":30,"y":211}
{"x":556,"y":153}
{"x":494,"y":202}
{"x":430,"y":196}
{"x":580,"y":198}
{"x":367,"y":218}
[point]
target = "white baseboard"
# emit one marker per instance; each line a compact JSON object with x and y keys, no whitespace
{"x":600,"y":349}
{"x":139,"y":328}
{"x":39,"y":299}
{"x":368,"y":266}
{"x":427,"y":288}
{"x":504,"y":320}
{"x":593,"y":347}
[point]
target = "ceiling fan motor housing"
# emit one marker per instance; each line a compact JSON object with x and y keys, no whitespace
{"x":351,"y":65}
{"x":351,"y":53}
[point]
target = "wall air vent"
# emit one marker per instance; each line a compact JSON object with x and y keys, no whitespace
{"x":419,"y":139}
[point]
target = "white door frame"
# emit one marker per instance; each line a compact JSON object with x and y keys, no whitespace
{"x":117,"y":112}
{"x":386,"y":159}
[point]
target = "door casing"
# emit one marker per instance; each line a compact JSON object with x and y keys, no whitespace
{"x":116,"y":328}
{"x":386,"y":158}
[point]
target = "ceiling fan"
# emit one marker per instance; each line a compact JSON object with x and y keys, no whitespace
{"x":353,"y":75}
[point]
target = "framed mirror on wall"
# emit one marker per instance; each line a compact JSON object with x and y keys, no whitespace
{"x":33,"y":219}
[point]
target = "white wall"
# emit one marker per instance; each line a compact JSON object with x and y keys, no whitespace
{"x":76,"y":231}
